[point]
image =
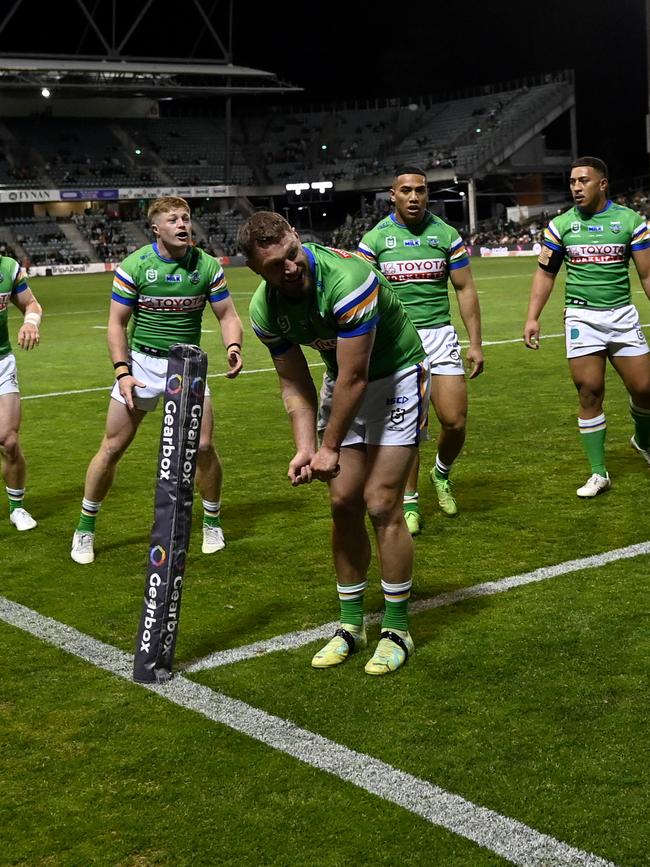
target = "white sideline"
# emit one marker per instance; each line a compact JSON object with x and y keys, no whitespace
{"x":512,"y":840}
{"x":293,"y":640}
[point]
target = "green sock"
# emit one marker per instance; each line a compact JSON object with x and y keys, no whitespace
{"x":441,"y":471}
{"x":351,"y":603}
{"x":211,"y":512}
{"x":410,"y":502}
{"x":641,"y":418}
{"x":15,"y":496}
{"x":396,"y":601}
{"x":592,"y":437}
{"x":88,"y":516}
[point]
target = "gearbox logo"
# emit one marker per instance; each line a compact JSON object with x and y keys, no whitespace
{"x":158,"y":556}
{"x":197,"y":387}
{"x":174,"y":383}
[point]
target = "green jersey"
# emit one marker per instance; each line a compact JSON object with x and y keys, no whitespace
{"x":416,"y":262}
{"x":13,"y":281}
{"x":167,"y":296}
{"x":596,"y":250}
{"x":350,"y":298}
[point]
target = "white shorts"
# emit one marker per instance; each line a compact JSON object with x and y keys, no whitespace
{"x":393,"y":411}
{"x":442,"y":346}
{"x":8,"y":375}
{"x":152,"y":371}
{"x":617,"y":331}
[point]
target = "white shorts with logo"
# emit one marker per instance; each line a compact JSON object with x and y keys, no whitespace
{"x":442,"y":346}
{"x":8,"y":374}
{"x":153,"y":372}
{"x":616,"y":331}
{"x":393,"y":412}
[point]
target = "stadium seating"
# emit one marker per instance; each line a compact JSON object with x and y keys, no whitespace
{"x":355,"y":144}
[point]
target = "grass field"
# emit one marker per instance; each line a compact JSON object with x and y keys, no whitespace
{"x":518,"y":732}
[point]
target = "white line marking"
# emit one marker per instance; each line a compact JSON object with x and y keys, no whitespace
{"x":520,"y":339}
{"x":293,"y":640}
{"x":512,"y":340}
{"x":65,"y":393}
{"x":75,"y":312}
{"x":109,"y":387}
{"x":482,"y":278}
{"x":270,"y":369}
{"x":518,"y":843}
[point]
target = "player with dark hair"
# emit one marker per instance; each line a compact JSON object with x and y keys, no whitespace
{"x":14,"y":288}
{"x":595,"y":239}
{"x":373,"y":406}
{"x":417,"y":252}
{"x":159,"y":293}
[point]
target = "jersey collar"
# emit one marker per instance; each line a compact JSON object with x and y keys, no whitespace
{"x":608,"y":205}
{"x":310,"y":258}
{"x":164,"y":258}
{"x":428,"y":216}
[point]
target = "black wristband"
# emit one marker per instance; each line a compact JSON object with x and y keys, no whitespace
{"x":230,"y":345}
{"x":122,"y":375}
{"x":117,"y":364}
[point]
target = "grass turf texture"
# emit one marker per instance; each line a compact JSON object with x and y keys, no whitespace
{"x":529,"y":703}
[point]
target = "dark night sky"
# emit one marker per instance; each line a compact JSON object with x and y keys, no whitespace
{"x":423,"y":48}
{"x":339,"y":50}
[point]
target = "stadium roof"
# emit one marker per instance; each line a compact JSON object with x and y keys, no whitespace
{"x":135,"y":76}
{"x":100,"y":51}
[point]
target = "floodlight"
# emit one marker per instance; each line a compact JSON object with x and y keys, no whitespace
{"x":296,"y":188}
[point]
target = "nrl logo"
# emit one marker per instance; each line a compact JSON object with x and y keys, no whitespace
{"x":151,"y":275}
{"x":575,"y":227}
{"x":391,"y":241}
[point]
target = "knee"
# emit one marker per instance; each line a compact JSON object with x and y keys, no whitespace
{"x":455,"y":426}
{"x":383,"y":508}
{"x":590,"y":393}
{"x":9,"y":444}
{"x":112,"y":451}
{"x":640,"y":396}
{"x":346,"y":508}
{"x":207,"y":451}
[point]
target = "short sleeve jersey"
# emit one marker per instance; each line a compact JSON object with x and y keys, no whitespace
{"x":350,"y":298}
{"x":13,"y":281}
{"x":167,"y":296}
{"x":596,"y":251}
{"x":416,"y":262}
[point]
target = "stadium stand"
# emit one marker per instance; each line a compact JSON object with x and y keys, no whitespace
{"x":528,"y":111}
{"x":189,"y":150}
{"x":355,"y":145}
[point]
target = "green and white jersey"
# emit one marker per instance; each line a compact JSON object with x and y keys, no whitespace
{"x":167,"y":296}
{"x":350,"y":299}
{"x":596,"y":251}
{"x":416,"y":262}
{"x":13,"y":281}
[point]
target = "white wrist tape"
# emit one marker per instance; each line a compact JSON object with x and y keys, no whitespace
{"x":32,"y":319}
